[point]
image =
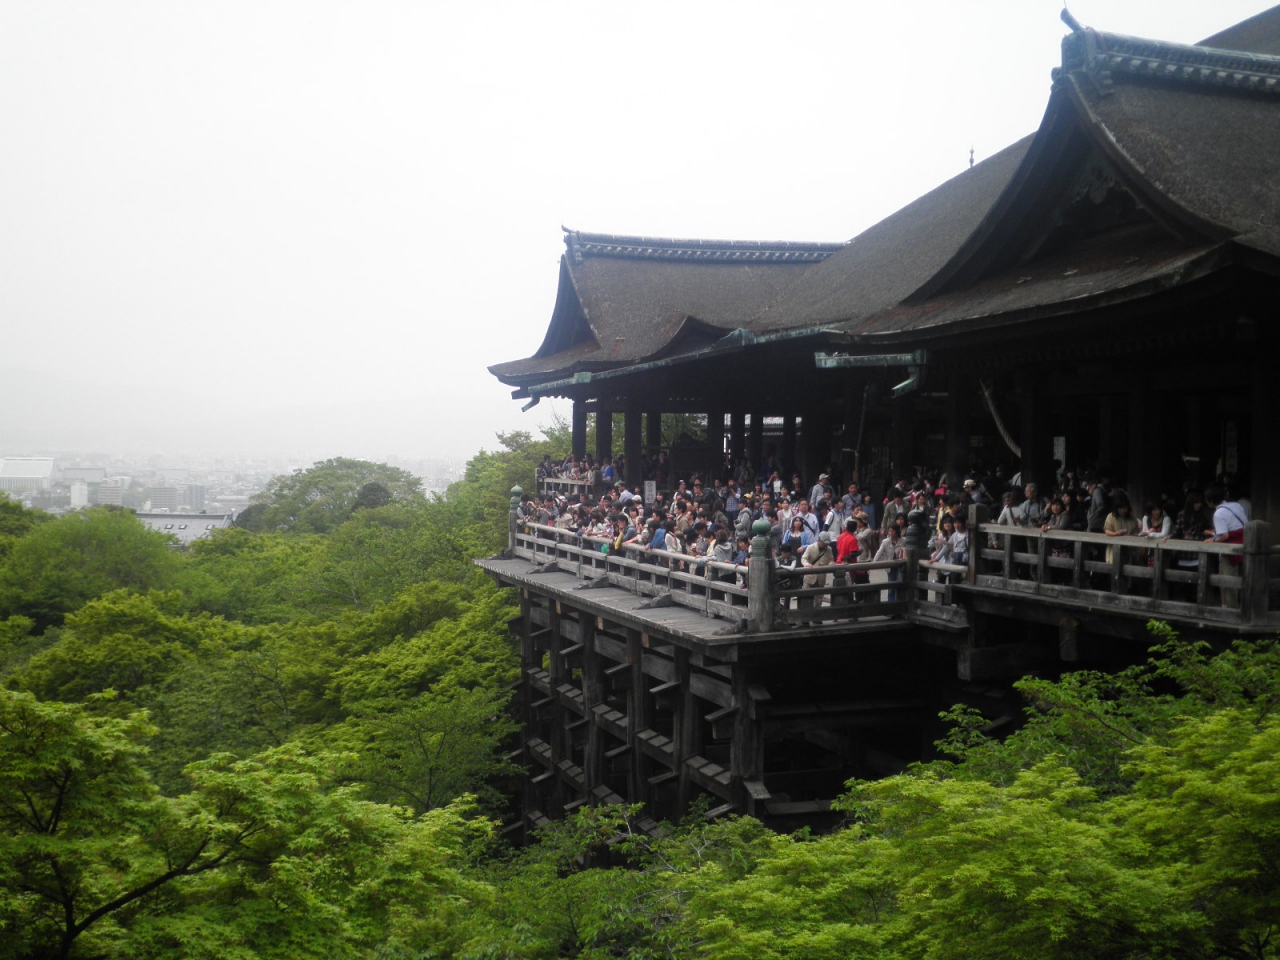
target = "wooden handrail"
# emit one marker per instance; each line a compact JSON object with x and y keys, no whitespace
{"x":712,"y":595}
{"x":1079,"y":536}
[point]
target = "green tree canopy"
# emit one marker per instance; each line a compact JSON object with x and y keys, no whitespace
{"x":59,"y":566}
{"x":318,"y":499}
{"x":261,"y":858}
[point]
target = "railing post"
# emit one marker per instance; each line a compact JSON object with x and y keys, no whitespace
{"x":513,"y":519}
{"x":979,"y":513}
{"x":916,"y":537}
{"x":911,"y":576}
{"x":1254,"y":572}
{"x":761,"y":601}
{"x":1159,"y":563}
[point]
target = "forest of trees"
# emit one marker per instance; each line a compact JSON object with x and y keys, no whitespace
{"x":288,"y":742}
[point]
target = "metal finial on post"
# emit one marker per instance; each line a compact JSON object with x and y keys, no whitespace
{"x":760,"y":598}
{"x":916,"y":535}
{"x":916,"y":538}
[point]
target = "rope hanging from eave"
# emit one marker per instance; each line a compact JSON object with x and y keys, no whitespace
{"x":985,"y":384}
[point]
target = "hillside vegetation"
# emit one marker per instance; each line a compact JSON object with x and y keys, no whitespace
{"x":288,"y":742}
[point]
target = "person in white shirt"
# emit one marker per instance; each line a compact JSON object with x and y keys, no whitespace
{"x":1229,"y":519}
{"x":892,"y":547}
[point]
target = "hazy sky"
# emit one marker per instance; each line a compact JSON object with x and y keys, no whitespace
{"x":308,"y":227}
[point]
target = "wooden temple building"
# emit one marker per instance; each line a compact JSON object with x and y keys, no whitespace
{"x":1109,"y":285}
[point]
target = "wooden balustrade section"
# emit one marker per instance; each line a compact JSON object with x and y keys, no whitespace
{"x":716,"y":589}
{"x":1173,"y":579}
{"x":1185,"y":579}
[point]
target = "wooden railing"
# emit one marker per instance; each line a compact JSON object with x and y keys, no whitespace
{"x":838,"y":597}
{"x":1179,"y":580}
{"x":1172,"y":578}
{"x":707,"y":586}
{"x":563,"y":486}
{"x":715,"y":589}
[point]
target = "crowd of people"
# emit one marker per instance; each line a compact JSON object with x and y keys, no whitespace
{"x":826,"y":522}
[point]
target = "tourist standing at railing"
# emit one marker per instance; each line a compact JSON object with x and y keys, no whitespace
{"x":1099,"y":506}
{"x":1006,"y":516}
{"x":892,"y":547}
{"x":1077,"y":518}
{"x":1119,"y":523}
{"x":721,"y":552}
{"x":847,"y":546}
{"x":952,"y":506}
{"x":940,"y":545}
{"x":1194,"y":522}
{"x":817,"y":554}
{"x":1156,"y":525}
{"x":958,"y":543}
{"x":1029,"y":513}
{"x":1229,"y":518}
{"x":868,"y":541}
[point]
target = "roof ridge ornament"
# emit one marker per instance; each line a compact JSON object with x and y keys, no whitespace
{"x":582,"y":245}
{"x":1104,"y":57}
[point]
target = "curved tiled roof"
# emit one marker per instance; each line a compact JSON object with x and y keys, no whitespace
{"x":1190,"y":134}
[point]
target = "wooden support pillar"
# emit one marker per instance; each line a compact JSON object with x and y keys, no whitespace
{"x":684,"y":740}
{"x":528,"y":658}
{"x":755,"y":440}
{"x":957,"y":439}
{"x":849,"y":455}
{"x":746,"y":749}
{"x":737,"y":434}
{"x":902,"y":451}
{"x":1254,"y":572}
{"x":1143,"y":447}
{"x":652,"y":433}
{"x":639,"y":717}
{"x":1264,"y":486}
{"x":715,"y":445}
{"x":816,"y":442}
{"x":1194,"y":447}
{"x":1035,"y":435}
{"x":579,"y":430}
{"x":594,"y":688}
{"x":604,"y":433}
{"x":788,"y":452}
{"x":1106,"y":434}
{"x":559,"y":735}
{"x":634,"y":448}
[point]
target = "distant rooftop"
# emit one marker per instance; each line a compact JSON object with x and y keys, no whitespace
{"x":186,"y":527}
{"x":34,"y":468}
